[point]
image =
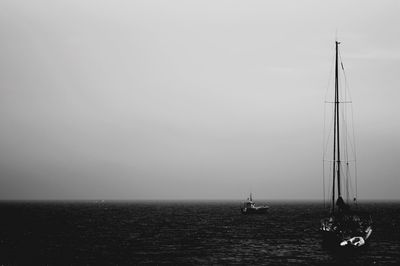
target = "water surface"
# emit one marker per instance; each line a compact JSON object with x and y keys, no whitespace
{"x":187,"y":232}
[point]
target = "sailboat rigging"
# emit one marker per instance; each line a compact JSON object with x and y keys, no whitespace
{"x":343,"y":226}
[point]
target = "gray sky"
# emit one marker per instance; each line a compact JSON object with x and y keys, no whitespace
{"x":191,"y":99}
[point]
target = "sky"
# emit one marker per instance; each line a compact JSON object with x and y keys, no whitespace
{"x":192,"y":99}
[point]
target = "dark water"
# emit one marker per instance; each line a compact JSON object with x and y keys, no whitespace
{"x":125,"y":233}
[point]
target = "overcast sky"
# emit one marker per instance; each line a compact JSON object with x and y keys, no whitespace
{"x":191,"y":99}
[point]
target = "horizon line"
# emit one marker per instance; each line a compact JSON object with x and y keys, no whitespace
{"x":189,"y":199}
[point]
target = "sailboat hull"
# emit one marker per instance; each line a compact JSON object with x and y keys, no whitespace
{"x":336,"y":234}
{"x":255,"y":210}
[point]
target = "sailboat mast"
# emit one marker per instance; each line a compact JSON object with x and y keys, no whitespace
{"x":334,"y":130}
{"x":337,"y":117}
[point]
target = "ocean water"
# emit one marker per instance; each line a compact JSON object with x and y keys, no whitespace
{"x":191,"y":233}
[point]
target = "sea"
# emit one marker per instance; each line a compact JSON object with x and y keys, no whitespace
{"x":184,"y":233}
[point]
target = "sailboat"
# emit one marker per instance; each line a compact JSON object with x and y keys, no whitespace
{"x":344,"y":226}
{"x":249,"y":207}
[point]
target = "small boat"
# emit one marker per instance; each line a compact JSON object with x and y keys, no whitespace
{"x":344,"y":227}
{"x":249,"y":207}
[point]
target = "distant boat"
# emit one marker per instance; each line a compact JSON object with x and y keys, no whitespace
{"x":344,"y":227}
{"x":249,"y":207}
